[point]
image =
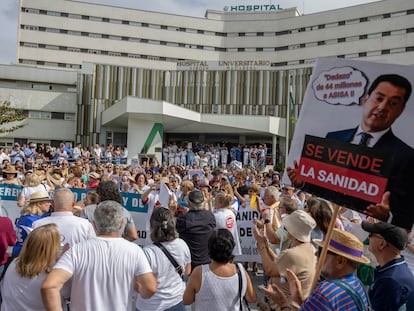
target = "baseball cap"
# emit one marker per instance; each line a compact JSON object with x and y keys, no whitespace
{"x":392,"y":234}
{"x":196,"y":197}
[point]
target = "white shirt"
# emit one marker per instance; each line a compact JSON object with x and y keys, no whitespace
{"x":103,"y":272}
{"x":171,"y":287}
{"x":71,"y":228}
{"x":371,"y":141}
{"x":225,"y":219}
{"x":21,"y":293}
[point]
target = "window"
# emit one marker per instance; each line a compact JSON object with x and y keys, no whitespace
{"x":260,"y":34}
{"x":341,"y":23}
{"x":341,"y":56}
{"x":386,"y":15}
{"x":411,"y":11}
{"x":386,"y":33}
{"x":58,"y":115}
{"x":362,"y":54}
{"x":242,"y":34}
{"x":259,"y":49}
{"x":385,"y":52}
{"x":125,"y":22}
{"x":85,"y":17}
{"x":302,"y":45}
{"x":200,"y":31}
{"x":283,"y":32}
{"x":39,"y":114}
{"x":281,"y":48}
{"x":363,"y":37}
{"x":409,"y":49}
{"x":240,"y":49}
{"x":321,"y":26}
{"x":70,"y":116}
{"x":278,"y":64}
{"x":220,"y":34}
{"x":363,"y":19}
{"x":321,"y":42}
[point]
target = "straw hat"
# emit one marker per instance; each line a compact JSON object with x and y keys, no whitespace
{"x":300,"y":225}
{"x":10,"y":170}
{"x":345,"y":244}
{"x":56,"y":179}
{"x":39,"y":196}
{"x":94,"y":175}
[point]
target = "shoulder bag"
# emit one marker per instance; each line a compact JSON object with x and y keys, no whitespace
{"x":177,"y":267}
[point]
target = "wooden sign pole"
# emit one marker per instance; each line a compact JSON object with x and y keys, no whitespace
{"x":328,"y":237}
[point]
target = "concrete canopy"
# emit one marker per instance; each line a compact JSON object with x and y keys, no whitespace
{"x":176,"y":119}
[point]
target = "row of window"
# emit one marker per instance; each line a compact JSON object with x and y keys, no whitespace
{"x":274,"y":64}
{"x":222,"y":34}
{"x":37,"y":114}
{"x":210,"y":48}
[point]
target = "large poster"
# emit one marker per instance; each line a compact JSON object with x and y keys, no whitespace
{"x":353,"y":143}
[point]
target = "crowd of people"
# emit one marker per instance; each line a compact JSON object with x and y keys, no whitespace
{"x":84,"y":254}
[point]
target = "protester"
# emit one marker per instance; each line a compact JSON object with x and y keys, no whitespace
{"x":33,"y":184}
{"x":108,"y":190}
{"x":39,"y":205}
{"x":216,"y":286}
{"x":10,"y":176}
{"x":170,"y":285}
{"x":195,"y":227}
{"x":300,"y":258}
{"x":7,"y":238}
{"x":225,"y":218}
{"x":341,"y":291}
{"x":393,"y":287}
{"x":103,"y":270}
{"x":72,"y":229}
{"x":25,"y":275}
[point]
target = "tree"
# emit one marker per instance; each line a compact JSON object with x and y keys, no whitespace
{"x":9,"y":114}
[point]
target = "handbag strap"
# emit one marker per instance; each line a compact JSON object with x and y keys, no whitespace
{"x":353,"y":293}
{"x":240,"y":285}
{"x":177,"y":267}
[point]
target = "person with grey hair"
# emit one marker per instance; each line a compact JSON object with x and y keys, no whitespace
{"x":104,"y":270}
{"x":195,"y":227}
{"x":109,"y":190}
{"x":72,"y":229}
{"x":169,"y":295}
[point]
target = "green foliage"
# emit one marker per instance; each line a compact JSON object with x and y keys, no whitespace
{"x":9,"y":114}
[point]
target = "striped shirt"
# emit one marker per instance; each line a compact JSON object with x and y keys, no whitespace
{"x":329,"y":296}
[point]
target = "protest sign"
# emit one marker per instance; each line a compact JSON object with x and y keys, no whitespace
{"x":352,"y":143}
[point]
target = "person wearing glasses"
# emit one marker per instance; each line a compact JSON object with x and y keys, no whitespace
{"x":393,"y":287}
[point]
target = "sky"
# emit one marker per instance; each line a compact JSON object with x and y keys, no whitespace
{"x":9,"y":13}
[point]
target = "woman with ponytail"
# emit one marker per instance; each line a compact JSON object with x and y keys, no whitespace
{"x":169,"y":272}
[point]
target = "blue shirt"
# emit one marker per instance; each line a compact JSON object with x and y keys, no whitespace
{"x":329,"y":296}
{"x":393,"y":286}
{"x":24,"y":226}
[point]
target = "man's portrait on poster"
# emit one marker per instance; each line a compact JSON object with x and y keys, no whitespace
{"x":382,"y":104}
